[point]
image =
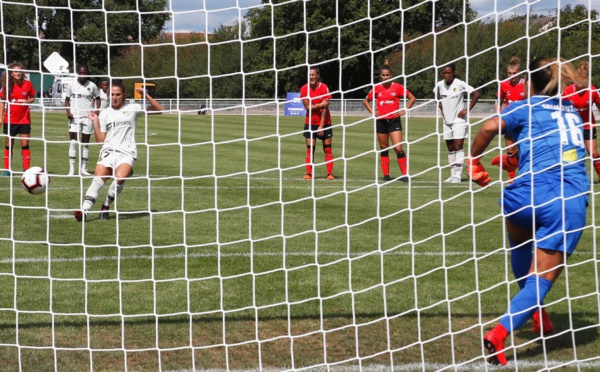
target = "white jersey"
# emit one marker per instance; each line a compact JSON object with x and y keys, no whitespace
{"x":104,"y":102}
{"x":453,"y":99}
{"x":82,"y":98}
{"x":119,"y":126}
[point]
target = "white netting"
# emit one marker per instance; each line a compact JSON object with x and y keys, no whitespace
{"x":218,"y":255}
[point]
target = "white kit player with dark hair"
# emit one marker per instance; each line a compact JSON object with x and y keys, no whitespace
{"x":451,"y":94}
{"x":82,"y":97}
{"x":115,"y":128}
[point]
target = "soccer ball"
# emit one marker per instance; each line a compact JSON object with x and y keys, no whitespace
{"x":35,"y":180}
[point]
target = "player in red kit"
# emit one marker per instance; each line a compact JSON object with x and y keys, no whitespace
{"x":511,"y":90}
{"x":387,"y":96}
{"x":16,"y":94}
{"x":315,"y":98}
{"x":584,"y":98}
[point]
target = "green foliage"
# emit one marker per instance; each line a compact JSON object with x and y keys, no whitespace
{"x":363,"y":37}
{"x":575,"y":35}
{"x":17,"y":42}
{"x":79,"y":30}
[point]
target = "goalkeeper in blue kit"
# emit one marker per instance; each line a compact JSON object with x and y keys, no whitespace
{"x":545,"y":207}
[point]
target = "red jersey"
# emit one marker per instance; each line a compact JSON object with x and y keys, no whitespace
{"x":511,"y":93}
{"x":583,"y":100}
{"x":387,"y":99}
{"x":17,"y":105}
{"x":315,"y":96}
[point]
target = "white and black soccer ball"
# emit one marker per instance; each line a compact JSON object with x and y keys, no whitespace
{"x":35,"y":180}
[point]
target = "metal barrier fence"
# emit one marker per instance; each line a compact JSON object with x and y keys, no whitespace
{"x":347,"y":107}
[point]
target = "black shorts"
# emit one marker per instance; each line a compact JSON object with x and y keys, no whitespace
{"x":17,"y":129}
{"x":589,"y":134}
{"x":312,"y":132}
{"x":387,"y":126}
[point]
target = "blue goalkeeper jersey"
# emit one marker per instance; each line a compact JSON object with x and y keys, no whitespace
{"x":548,"y":133}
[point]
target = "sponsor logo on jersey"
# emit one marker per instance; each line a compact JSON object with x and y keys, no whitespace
{"x":109,"y":126}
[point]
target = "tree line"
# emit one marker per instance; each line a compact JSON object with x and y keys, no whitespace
{"x":268,"y":55}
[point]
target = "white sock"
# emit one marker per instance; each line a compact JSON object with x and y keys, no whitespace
{"x":113,"y":191}
{"x":72,"y":154}
{"x":85,"y":152}
{"x":451,"y":161}
{"x":92,"y":193}
{"x":460,"y":159}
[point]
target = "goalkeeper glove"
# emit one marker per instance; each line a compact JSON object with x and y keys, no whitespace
{"x":477,"y":173}
{"x":509,"y":163}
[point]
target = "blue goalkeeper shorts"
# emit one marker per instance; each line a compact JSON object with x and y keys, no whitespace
{"x":558,"y":220}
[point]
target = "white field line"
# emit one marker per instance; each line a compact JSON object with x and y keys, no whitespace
{"x":341,"y":183}
{"x":255,"y":254}
{"x":480,"y":366}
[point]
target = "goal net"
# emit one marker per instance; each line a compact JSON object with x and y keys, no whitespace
{"x":218,"y":255}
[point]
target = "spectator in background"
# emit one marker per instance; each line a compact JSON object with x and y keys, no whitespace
{"x":16,"y":95}
{"x":48,"y":93}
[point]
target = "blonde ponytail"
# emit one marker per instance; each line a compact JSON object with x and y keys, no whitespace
{"x":548,"y":75}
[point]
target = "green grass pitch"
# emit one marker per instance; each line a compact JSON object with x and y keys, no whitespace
{"x":220,"y":256}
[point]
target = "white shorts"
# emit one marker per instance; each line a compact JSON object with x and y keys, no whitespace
{"x":83,"y":125}
{"x":112,"y":159}
{"x":456,"y":130}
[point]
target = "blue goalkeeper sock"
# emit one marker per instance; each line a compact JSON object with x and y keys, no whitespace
{"x":526,"y":302}
{"x":520,"y":261}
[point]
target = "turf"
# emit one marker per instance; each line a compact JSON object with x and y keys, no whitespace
{"x":219,"y":256}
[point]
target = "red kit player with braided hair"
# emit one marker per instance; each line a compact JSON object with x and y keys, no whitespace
{"x":388,"y":95}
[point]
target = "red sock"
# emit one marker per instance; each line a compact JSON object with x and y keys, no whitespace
{"x":597,"y":167}
{"x":308,"y":160}
{"x":328,"y":159}
{"x":385,"y":165}
{"x":402,"y":162}
{"x":26,"y":157}
{"x":7,"y":156}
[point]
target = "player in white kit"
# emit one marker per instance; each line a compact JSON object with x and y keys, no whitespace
{"x":115,"y":129}
{"x":451,"y":94}
{"x":103,"y":91}
{"x":82,"y":97}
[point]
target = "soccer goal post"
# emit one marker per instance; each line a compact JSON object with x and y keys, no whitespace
{"x":243,"y":240}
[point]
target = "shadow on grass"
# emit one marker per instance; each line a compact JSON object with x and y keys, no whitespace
{"x":130,"y":216}
{"x":584,"y":333}
{"x":125,"y":215}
